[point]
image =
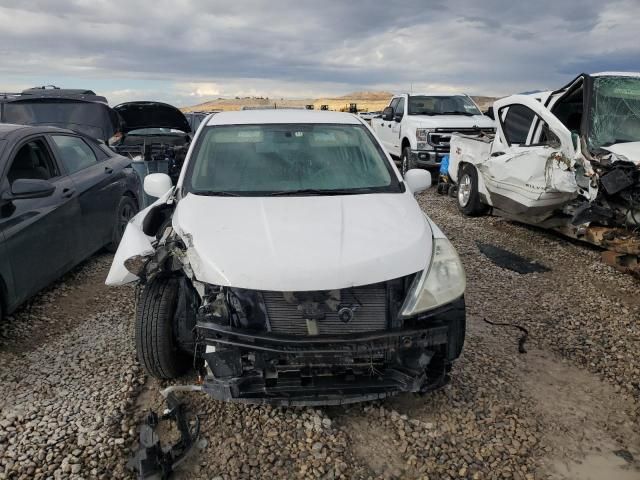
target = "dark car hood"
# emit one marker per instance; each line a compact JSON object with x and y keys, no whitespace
{"x":138,"y":115}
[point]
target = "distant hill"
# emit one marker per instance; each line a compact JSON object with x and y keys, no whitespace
{"x":366,"y":102}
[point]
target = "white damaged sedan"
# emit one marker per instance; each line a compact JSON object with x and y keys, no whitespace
{"x":292,"y":265}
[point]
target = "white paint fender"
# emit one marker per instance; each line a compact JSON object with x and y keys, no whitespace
{"x":134,"y":242}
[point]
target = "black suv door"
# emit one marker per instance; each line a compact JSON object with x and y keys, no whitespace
{"x":40,"y":233}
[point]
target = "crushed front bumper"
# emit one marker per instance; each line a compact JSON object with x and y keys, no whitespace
{"x":328,"y":370}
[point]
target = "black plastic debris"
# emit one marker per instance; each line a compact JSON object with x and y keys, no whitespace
{"x":152,"y":461}
{"x":509,"y":260}
{"x":625,"y":455}
{"x":523,"y":337}
{"x":617,"y":180}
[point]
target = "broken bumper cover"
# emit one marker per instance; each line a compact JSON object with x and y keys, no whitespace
{"x":325,"y":370}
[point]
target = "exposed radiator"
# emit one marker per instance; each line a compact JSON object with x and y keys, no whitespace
{"x":371,"y":314}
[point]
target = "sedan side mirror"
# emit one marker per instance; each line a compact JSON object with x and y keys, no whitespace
{"x":157,"y":184}
{"x":387,"y":114}
{"x":417,"y":180}
{"x":22,"y":188}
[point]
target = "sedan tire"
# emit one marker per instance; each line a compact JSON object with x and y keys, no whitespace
{"x":127,"y":208}
{"x":156,"y":347}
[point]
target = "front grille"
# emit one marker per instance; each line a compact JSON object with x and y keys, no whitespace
{"x":371,"y":315}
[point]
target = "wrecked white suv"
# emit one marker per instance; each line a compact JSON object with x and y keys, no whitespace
{"x":292,"y":265}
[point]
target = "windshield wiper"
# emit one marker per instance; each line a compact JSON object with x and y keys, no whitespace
{"x":213,"y":193}
{"x":457,"y":112}
{"x":314,"y":191}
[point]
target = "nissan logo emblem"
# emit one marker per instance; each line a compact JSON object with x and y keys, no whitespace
{"x":345,"y":314}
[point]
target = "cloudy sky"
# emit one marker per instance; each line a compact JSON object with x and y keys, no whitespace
{"x":186,"y":52}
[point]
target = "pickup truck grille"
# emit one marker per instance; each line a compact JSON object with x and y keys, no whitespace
{"x":440,"y":139}
{"x":369,"y":316}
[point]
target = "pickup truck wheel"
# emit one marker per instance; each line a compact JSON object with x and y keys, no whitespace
{"x":468,"y":197}
{"x":156,"y":347}
{"x":126,"y":210}
{"x":406,"y":163}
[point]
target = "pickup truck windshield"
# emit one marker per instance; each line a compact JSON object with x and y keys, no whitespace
{"x":442,"y":105}
{"x":615,"y":111}
{"x":276,"y":159}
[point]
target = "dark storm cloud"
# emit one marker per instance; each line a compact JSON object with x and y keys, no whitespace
{"x":494,"y":46}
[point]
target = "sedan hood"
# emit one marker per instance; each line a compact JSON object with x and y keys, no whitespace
{"x":303,"y":243}
{"x":452,"y":121}
{"x":138,"y":115}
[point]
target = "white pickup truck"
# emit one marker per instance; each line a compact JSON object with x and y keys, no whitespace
{"x":567,"y":160}
{"x":415,"y":129}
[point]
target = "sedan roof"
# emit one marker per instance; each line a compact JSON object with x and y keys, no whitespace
{"x":7,"y":129}
{"x":249,"y":117}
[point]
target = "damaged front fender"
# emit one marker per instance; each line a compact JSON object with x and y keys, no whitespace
{"x":134,"y":243}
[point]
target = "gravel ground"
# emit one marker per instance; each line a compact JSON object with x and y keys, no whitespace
{"x":567,"y":409}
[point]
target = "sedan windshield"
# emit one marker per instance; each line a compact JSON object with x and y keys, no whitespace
{"x":276,"y":159}
{"x":615,"y":111}
{"x":442,"y":105}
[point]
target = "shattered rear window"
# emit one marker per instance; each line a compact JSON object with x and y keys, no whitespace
{"x":615,"y":111}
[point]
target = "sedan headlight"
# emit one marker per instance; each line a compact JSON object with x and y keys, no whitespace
{"x":442,"y":282}
{"x":422,"y":133}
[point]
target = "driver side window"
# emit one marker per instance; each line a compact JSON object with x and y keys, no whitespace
{"x":32,"y":161}
{"x":399,"y":110}
{"x":394,"y":104}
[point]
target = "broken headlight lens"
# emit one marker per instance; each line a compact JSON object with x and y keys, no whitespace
{"x":441,"y":283}
{"x":422,"y":134}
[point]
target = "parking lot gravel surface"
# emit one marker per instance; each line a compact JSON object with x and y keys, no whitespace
{"x":73,"y":393}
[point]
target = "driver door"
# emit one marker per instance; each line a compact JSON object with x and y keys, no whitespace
{"x":385,"y":127}
{"x":529,"y":173}
{"x":40,"y":233}
{"x":398,"y":114}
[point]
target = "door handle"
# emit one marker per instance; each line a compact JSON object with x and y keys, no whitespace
{"x":497,"y":154}
{"x":68,"y":192}
{"x":108,"y":170}
{"x":389,"y":125}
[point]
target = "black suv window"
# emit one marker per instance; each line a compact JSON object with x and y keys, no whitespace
{"x":33,"y":161}
{"x":516,"y":124}
{"x":75,"y":154}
